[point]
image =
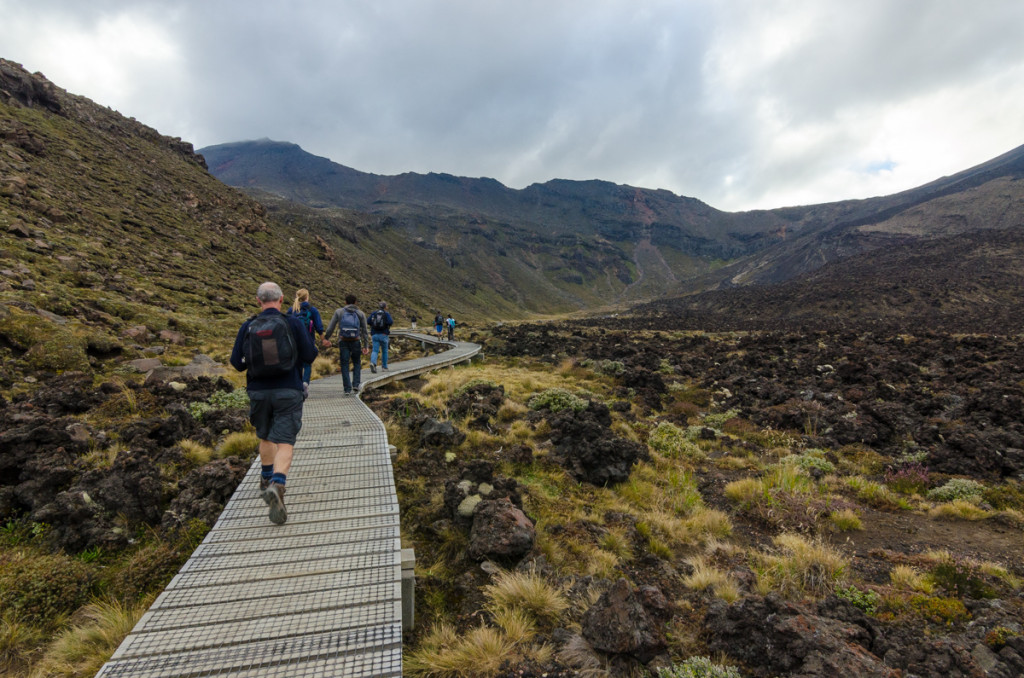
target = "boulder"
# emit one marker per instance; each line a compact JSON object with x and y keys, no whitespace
{"x":775,"y":637}
{"x":500,"y":531}
{"x":628,"y":621}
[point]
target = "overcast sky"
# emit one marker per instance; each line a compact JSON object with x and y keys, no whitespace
{"x":740,"y":103}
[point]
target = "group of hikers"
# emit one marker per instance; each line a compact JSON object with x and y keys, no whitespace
{"x":276,"y":350}
{"x":441,"y":324}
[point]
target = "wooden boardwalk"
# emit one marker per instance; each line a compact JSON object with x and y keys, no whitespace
{"x":318,"y":596}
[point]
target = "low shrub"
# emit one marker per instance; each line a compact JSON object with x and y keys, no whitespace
{"x":219,"y":400}
{"x":866,"y":601}
{"x":699,"y":667}
{"x":40,"y":588}
{"x":908,"y":478}
{"x":556,"y":400}
{"x":671,"y":441}
{"x":960,"y":579}
{"x":957,"y":488}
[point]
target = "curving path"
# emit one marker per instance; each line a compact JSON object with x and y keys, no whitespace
{"x":318,"y":596}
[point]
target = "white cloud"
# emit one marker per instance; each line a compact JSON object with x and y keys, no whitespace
{"x":737,"y":103}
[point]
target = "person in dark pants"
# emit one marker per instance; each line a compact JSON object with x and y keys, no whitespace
{"x":380,"y":323}
{"x":353,"y":340}
{"x":275,"y":391}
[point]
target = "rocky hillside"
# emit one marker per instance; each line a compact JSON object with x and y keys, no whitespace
{"x":114,"y":238}
{"x":965,"y":283}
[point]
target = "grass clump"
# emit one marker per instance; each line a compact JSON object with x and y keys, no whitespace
{"x":82,"y":649}
{"x":707,"y":577}
{"x":958,"y":509}
{"x":801,"y":567}
{"x":527,"y":592}
{"x":671,"y":441}
{"x":846,"y":520}
{"x":906,"y":578}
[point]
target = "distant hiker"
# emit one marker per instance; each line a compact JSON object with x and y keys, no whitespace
{"x":438,"y":324}
{"x":450,"y":324}
{"x":412,"y":319}
{"x":351,"y":324}
{"x":271,"y":348}
{"x":380,"y":323}
{"x":310,"y":318}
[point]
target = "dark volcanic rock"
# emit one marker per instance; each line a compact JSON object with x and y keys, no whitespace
{"x":628,"y":621}
{"x":204,"y":492}
{"x":480,"y":402}
{"x":501,"y":531}
{"x":586,"y":447}
{"x":773,"y":637}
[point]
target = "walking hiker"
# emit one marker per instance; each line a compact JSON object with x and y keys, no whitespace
{"x":309,"y":315}
{"x":380,"y":323}
{"x":413,"y":319}
{"x":353,"y":340}
{"x":438,"y":324}
{"x":271,"y":349}
{"x":450,"y":322}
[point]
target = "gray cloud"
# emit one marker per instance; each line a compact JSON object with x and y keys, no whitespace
{"x":739,"y":104}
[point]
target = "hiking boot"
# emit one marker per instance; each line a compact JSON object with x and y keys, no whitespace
{"x":274,"y":496}
{"x":385,"y":369}
{"x":264,"y":482}
{"x":373,"y":368}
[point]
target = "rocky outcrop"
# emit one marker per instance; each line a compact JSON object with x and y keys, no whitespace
{"x":628,"y":621}
{"x":500,"y":531}
{"x":586,"y":447}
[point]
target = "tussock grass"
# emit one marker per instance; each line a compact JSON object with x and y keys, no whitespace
{"x":875,"y":494}
{"x":102,"y":458}
{"x":82,"y":649}
{"x":519,"y":603}
{"x":196,"y":453}
{"x":444,"y":654}
{"x":801,"y":567}
{"x":958,"y":509}
{"x":846,"y":520}
{"x":907,"y":578}
{"x":527,"y":592}
{"x":243,"y":444}
{"x":707,"y":577}
{"x":324,"y":367}
{"x":18,"y":640}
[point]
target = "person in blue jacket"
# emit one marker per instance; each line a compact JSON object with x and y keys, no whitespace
{"x":314,"y":324}
{"x":275,"y":392}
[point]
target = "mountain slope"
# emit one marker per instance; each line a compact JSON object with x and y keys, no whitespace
{"x":672,"y":243}
{"x":107,"y":227}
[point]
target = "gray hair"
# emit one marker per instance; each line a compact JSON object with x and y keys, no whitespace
{"x":269,"y":291}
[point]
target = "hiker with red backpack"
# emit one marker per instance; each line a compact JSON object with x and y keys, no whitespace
{"x":309,"y":315}
{"x":351,"y":324}
{"x":271,"y":348}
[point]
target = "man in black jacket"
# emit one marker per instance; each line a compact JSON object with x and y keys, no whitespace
{"x":273,"y":378}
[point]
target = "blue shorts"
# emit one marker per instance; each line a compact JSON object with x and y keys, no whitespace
{"x":276,"y":414}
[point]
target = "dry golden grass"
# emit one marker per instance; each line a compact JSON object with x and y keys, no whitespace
{"x":101,"y":458}
{"x":527,"y":592}
{"x":705,"y":576}
{"x":18,"y":640}
{"x":244,"y":444}
{"x":958,"y":509}
{"x":82,"y":649}
{"x":443,"y":654}
{"x":196,"y":453}
{"x":801,"y":567}
{"x":846,"y":520}
{"x":906,"y":578}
